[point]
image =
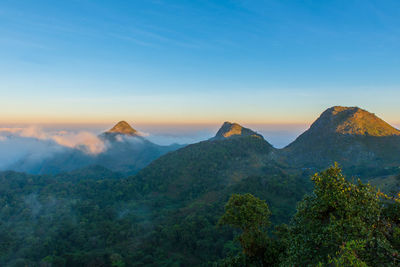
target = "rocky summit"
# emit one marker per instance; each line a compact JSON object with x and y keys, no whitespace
{"x":352,"y":121}
{"x":351,"y":136}
{"x":123,"y":127}
{"x":229,"y":130}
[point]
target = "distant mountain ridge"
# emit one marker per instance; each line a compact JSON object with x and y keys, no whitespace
{"x":351,"y":136}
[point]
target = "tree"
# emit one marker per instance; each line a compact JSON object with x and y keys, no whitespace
{"x":251,"y":216}
{"x":337,"y":215}
{"x":347,"y":256}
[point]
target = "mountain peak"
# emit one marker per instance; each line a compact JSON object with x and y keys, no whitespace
{"x":352,"y":121}
{"x":123,"y":127}
{"x":348,"y":135}
{"x":229,"y":129}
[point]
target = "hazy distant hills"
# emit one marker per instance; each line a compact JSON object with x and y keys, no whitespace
{"x":349,"y":135}
{"x":126,"y":151}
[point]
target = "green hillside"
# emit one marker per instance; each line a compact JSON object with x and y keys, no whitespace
{"x":355,"y":138}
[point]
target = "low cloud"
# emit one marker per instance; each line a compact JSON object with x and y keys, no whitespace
{"x":86,"y":141}
{"x":129,"y":139}
{"x":15,"y":149}
{"x":25,"y":148}
{"x":144,"y":134}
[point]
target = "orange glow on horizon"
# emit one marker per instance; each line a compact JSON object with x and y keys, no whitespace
{"x":139,"y":120}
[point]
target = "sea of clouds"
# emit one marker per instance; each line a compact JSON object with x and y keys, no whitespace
{"x":84,"y":140}
{"x":35,"y":144}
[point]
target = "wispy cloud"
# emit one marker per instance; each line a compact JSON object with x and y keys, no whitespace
{"x":86,"y":141}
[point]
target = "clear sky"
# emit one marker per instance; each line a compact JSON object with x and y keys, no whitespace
{"x":158,"y":61}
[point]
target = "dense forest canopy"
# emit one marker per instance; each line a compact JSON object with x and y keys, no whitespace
{"x":63,"y":221}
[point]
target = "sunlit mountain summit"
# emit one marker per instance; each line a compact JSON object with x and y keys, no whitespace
{"x":351,"y":136}
{"x":124,"y":128}
{"x":231,"y":130}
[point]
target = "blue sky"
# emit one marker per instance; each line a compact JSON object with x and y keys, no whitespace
{"x":197,"y":61}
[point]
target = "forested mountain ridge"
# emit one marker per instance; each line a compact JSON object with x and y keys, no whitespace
{"x":221,"y":161}
{"x":351,"y":136}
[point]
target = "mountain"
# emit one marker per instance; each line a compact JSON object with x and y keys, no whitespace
{"x":185,"y":190}
{"x":351,"y":121}
{"x":212,"y":168}
{"x":221,"y":160}
{"x":124,"y":128}
{"x":232,"y":130}
{"x":353,"y":137}
{"x":126,"y":151}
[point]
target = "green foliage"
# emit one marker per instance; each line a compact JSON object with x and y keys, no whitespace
{"x":347,"y":256}
{"x":336,"y":213}
{"x":339,"y":224}
{"x":251,"y":216}
{"x":238,"y":260}
{"x":117,"y":260}
{"x":85,"y":217}
{"x":246,"y":212}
